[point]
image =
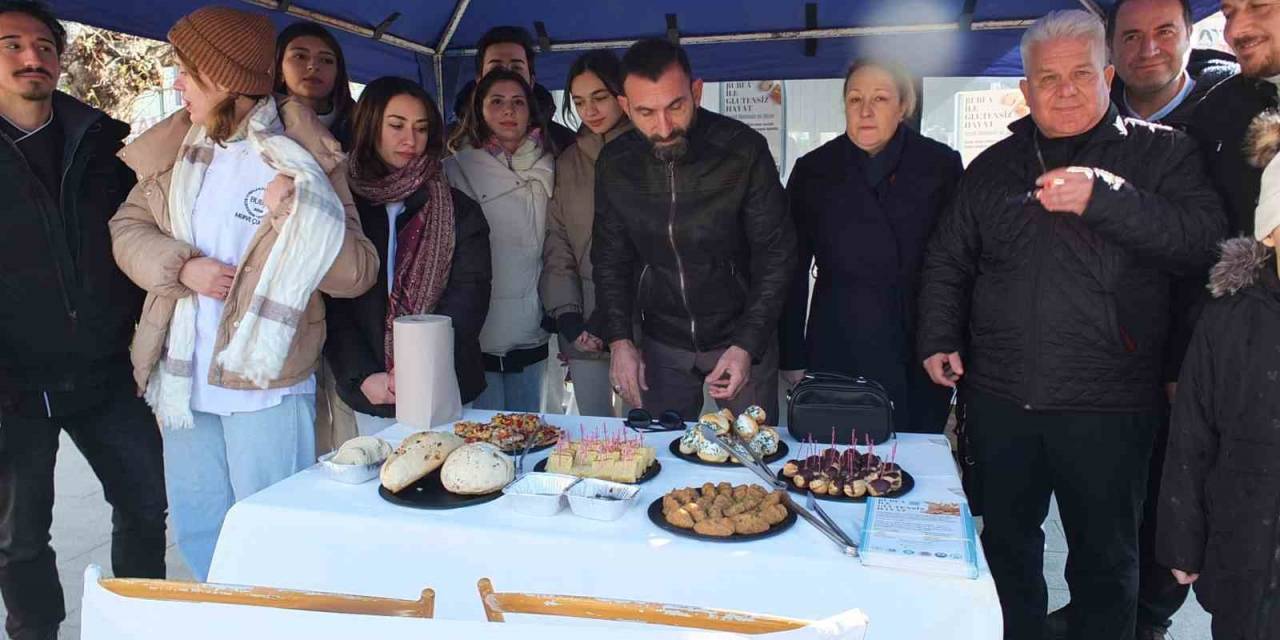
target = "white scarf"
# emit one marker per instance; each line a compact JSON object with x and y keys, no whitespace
{"x":306,"y":247}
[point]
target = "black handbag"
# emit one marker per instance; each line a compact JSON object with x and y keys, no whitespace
{"x":824,"y":401}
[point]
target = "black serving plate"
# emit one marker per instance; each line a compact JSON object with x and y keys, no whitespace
{"x":908,"y":483}
{"x":515,"y":452}
{"x":781,"y":453}
{"x":428,"y":493}
{"x":655,"y":516}
{"x":649,"y":473}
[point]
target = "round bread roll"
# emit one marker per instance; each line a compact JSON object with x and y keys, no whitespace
{"x":746,"y":427}
{"x":690,"y":441}
{"x":477,"y":468}
{"x":766,"y":440}
{"x":712,"y":452}
{"x":722,"y":426}
{"x":362,"y":450}
{"x":758,"y":414}
{"x":417,"y":456}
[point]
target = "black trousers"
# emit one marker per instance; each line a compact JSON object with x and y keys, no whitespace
{"x":122,"y":443}
{"x":1097,"y":465}
{"x":1159,"y":594}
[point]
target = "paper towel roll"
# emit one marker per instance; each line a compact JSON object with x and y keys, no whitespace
{"x":426,"y":385}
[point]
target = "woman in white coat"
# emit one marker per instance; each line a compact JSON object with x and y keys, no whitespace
{"x":502,"y":162}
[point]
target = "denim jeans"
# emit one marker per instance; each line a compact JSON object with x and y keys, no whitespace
{"x":120,"y":440}
{"x":225,"y":459}
{"x":514,"y":391}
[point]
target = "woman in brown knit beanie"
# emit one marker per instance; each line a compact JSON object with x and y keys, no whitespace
{"x":240,"y":219}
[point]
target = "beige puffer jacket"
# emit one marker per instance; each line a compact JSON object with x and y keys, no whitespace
{"x":514,"y":200}
{"x":147,"y":252}
{"x":566,"y":285}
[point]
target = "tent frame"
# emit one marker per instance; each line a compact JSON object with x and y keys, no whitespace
{"x":441,"y":49}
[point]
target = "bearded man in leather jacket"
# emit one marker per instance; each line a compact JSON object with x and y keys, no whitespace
{"x":692,"y":238}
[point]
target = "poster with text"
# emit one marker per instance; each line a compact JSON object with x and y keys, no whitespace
{"x":758,"y":104}
{"x":983,"y":119}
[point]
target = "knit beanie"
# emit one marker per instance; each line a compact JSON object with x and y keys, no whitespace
{"x":231,"y":48}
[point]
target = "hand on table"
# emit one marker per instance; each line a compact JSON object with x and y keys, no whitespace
{"x":731,"y":374}
{"x":207,"y":277}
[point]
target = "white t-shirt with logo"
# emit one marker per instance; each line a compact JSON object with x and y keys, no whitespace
{"x":228,"y":212}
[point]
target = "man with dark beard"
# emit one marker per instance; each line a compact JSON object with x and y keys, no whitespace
{"x":66,"y":317}
{"x":692,"y":237}
{"x":1220,"y":122}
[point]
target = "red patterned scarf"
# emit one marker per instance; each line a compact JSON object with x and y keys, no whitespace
{"x":424,"y":247}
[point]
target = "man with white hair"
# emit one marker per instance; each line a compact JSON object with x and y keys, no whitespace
{"x":1045,"y":294}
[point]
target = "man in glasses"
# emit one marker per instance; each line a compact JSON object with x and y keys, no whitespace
{"x":1051,"y":309}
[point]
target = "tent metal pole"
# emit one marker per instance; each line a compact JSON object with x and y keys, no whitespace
{"x":767,"y":36}
{"x":438,"y":63}
{"x":343,"y":25}
{"x":1092,"y":7}
{"x":452,"y":27}
{"x":445,"y":38}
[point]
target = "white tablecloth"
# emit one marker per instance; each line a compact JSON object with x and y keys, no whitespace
{"x":308,"y":532}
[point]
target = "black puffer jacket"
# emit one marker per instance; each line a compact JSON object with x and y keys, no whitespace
{"x":67,"y":313}
{"x":1219,"y":125}
{"x":1207,"y":68}
{"x":1062,"y":312}
{"x":1220,"y":496}
{"x":357,"y":326}
{"x":702,"y":247}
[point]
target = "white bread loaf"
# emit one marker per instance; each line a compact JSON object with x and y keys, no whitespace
{"x":362,"y":450}
{"x":477,"y":468}
{"x":419,"y":455}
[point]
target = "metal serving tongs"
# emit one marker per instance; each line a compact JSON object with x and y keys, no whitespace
{"x":757,"y":466}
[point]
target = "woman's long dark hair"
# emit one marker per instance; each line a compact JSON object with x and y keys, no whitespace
{"x":366,"y":124}
{"x":605,"y":65}
{"x":473,"y":130}
{"x":341,"y":96}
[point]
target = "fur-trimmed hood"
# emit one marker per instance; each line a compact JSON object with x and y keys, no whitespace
{"x":1244,"y":262}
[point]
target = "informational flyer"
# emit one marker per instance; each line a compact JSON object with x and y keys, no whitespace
{"x":928,"y":536}
{"x":983,"y":118}
{"x":760,"y":105}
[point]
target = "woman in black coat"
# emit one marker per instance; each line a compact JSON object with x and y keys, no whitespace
{"x":396,"y":176}
{"x":864,"y":205}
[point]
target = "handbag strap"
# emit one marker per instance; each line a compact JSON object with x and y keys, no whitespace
{"x":833,"y":376}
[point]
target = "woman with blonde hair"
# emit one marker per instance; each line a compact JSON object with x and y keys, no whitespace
{"x":240,"y":218}
{"x":864,"y":205}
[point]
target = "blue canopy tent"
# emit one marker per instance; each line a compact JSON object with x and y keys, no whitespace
{"x":433,"y":40}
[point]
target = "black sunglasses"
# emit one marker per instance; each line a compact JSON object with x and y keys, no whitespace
{"x":642,"y":420}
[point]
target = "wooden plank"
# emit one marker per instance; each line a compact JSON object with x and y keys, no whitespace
{"x":173,"y":591}
{"x":495,"y":604}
